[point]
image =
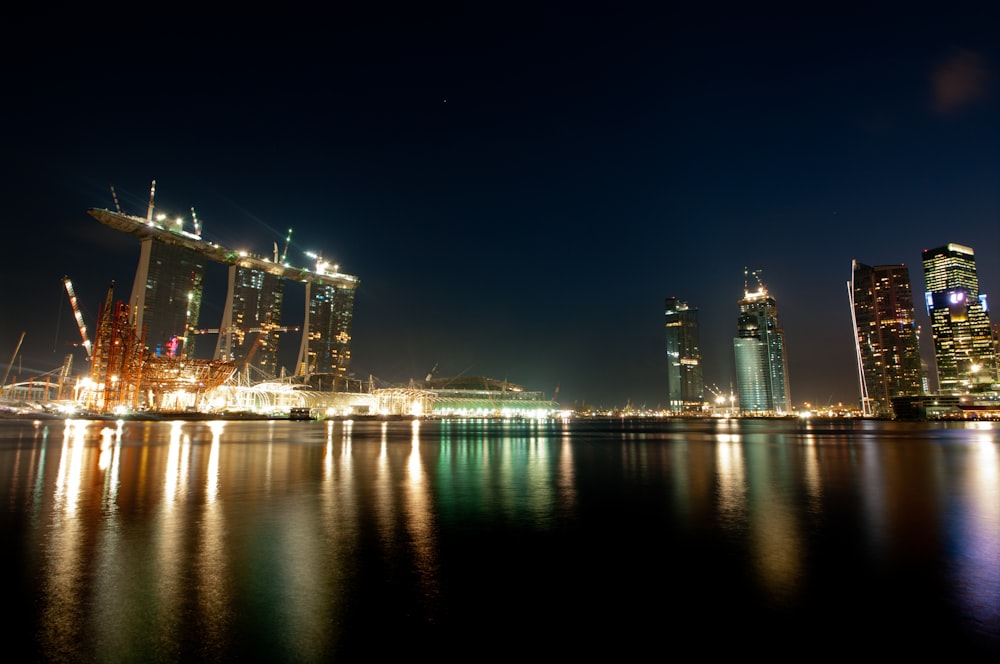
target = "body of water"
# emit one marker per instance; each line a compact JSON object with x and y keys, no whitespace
{"x":466,"y":540}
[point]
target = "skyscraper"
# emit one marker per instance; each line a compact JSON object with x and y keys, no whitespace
{"x":685,"y":386}
{"x":329,"y":311}
{"x":761,"y":366}
{"x":252,"y":319}
{"x":960,"y":323}
{"x":166,"y":296}
{"x":886,"y":341}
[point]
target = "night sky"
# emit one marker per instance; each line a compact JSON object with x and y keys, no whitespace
{"x":518,"y":187}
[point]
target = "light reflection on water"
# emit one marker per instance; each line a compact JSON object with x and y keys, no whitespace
{"x":159,"y":541}
{"x":975,"y":528}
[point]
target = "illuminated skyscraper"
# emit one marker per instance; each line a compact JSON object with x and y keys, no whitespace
{"x":761,"y":366}
{"x":252,"y":329}
{"x":685,"y":387}
{"x":166,"y":296}
{"x":327,"y":341}
{"x":886,"y":341}
{"x":960,"y":323}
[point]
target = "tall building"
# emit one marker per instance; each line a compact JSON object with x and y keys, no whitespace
{"x":685,"y":386}
{"x":326,"y":349}
{"x":761,"y":365}
{"x":167,"y":297}
{"x":252,"y":327}
{"x":886,"y":342}
{"x":960,"y":324}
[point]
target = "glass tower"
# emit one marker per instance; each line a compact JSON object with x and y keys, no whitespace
{"x":886,"y":342}
{"x":761,"y":366}
{"x":960,"y":323}
{"x":685,"y":386}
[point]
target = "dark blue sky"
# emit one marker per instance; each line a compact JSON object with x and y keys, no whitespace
{"x":520,"y":187}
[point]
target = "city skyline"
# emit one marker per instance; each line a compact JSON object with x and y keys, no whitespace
{"x":519,"y":187}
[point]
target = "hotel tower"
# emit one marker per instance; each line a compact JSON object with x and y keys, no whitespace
{"x":169,"y":283}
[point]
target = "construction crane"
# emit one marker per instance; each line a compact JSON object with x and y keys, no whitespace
{"x":266,"y":328}
{"x":79,"y":317}
{"x":756,"y":275}
{"x":245,"y":364}
{"x":288,"y":239}
{"x":114,"y":196}
{"x":12,"y":358}
{"x":281,"y":259}
{"x":149,"y":211}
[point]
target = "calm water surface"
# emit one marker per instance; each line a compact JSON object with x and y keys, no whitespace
{"x":466,"y":540}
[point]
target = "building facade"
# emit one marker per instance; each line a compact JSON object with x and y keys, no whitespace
{"x":685,"y":385}
{"x":886,"y":339}
{"x":326,"y":340}
{"x":257,"y":302}
{"x":964,"y":353}
{"x":166,"y":297}
{"x":759,"y":350}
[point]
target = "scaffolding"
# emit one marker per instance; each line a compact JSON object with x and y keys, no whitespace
{"x":180,"y":383}
{"x":117,"y":360}
{"x":124,"y":377}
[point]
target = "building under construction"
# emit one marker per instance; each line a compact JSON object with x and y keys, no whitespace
{"x":125,"y":376}
{"x":150,"y":340}
{"x":142,"y":358}
{"x":169,"y":283}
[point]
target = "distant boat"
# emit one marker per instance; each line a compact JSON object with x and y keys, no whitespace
{"x":301,"y":414}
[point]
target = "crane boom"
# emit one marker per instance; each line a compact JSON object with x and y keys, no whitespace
{"x":152,"y":192}
{"x":288,"y":240}
{"x":115,"y":197}
{"x":79,"y":317}
{"x":217,"y":330}
{"x":12,"y":358}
